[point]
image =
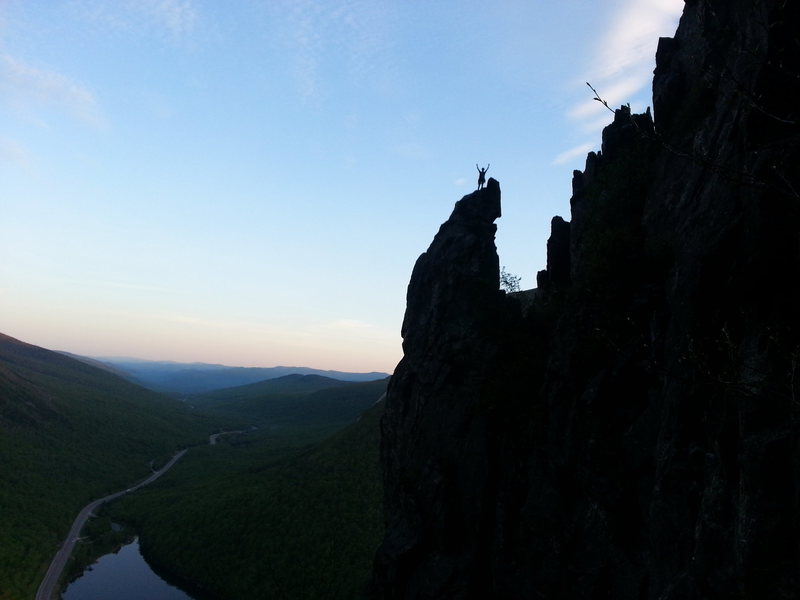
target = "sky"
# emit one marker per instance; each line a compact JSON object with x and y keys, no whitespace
{"x":250,"y":182}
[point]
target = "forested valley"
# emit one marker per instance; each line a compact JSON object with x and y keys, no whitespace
{"x":282,"y":515}
{"x":71,"y":433}
{"x":288,"y":504}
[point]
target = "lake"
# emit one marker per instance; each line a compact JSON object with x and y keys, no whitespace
{"x":124,"y":575}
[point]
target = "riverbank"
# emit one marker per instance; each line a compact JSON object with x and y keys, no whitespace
{"x":72,"y":559}
{"x":288,"y":514}
{"x":99,"y":537}
{"x":53,"y":578}
{"x":123,"y":575}
{"x":103,"y":565}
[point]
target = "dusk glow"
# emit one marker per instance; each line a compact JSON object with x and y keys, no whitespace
{"x":250,"y":183}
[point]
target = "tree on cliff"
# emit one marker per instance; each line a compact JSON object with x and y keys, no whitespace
{"x":509,"y":282}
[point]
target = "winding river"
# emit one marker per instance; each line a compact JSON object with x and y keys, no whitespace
{"x":123,"y":575}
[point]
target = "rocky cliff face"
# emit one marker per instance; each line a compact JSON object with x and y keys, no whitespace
{"x":631,"y":429}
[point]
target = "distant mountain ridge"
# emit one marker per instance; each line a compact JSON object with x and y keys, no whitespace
{"x":306,"y":400}
{"x":287,"y":384}
{"x":198,"y":378}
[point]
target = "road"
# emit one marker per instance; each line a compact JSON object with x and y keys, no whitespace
{"x":49,"y":586}
{"x":212,"y":439}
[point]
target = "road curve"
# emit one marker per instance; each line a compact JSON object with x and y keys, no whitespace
{"x":49,"y":586}
{"x":212,"y":439}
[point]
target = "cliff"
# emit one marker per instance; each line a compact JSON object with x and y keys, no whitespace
{"x":630,"y":428}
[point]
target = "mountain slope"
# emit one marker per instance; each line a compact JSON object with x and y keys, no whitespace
{"x":288,"y":384}
{"x":295,"y":401}
{"x":69,"y":433}
{"x":242,"y":521}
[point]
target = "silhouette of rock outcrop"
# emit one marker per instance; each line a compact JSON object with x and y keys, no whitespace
{"x":434,"y":448}
{"x":558,"y":260}
{"x":634,"y":431}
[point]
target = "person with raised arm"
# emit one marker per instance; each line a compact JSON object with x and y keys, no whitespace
{"x":481,"y":176}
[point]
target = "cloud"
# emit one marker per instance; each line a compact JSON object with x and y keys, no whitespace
{"x":348,"y":37}
{"x":617,"y":92}
{"x":176,"y":17}
{"x":24,"y":86}
{"x":307,"y":47}
{"x":347,"y":324}
{"x":122,"y":285}
{"x":344,"y":344}
{"x":575,"y":152}
{"x":623,"y":60}
{"x":630,"y":43}
{"x":14,"y":153}
{"x":412,"y":151}
{"x":339,"y":331}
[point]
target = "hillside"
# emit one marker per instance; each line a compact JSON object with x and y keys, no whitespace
{"x":631,"y":428}
{"x":301,"y":401}
{"x":259,"y":516}
{"x":69,"y":433}
{"x":292,"y":385}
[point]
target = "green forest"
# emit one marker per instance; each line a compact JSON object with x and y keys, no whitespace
{"x":268,"y":515}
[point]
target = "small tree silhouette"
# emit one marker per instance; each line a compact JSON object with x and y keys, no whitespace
{"x":508,"y":283}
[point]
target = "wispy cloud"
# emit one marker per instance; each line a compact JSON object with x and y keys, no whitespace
{"x":24,"y":86}
{"x":630,"y":43}
{"x":308,"y":47}
{"x":177,"y":16}
{"x":349,"y":332}
{"x":338,"y":344}
{"x":174,"y":17}
{"x":347,"y":325}
{"x":14,"y":153}
{"x":617,"y":91}
{"x":348,"y":37}
{"x":412,"y":151}
{"x":575,"y":152}
{"x":622,"y":63}
{"x":138,"y":287}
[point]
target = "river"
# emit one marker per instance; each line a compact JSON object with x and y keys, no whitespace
{"x":123,"y":575}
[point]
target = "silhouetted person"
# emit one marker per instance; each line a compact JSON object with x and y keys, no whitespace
{"x":481,"y":176}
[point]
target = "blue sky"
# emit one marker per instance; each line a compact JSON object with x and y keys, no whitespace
{"x":250,"y":182}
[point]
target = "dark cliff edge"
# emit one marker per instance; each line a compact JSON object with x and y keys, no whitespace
{"x":631,"y":428}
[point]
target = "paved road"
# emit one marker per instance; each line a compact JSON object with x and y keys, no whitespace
{"x":49,"y":586}
{"x":212,"y":439}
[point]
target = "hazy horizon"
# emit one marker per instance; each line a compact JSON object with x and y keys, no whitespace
{"x":207,"y":364}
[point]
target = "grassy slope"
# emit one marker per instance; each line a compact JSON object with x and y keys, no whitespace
{"x":255,"y":518}
{"x":69,"y":433}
